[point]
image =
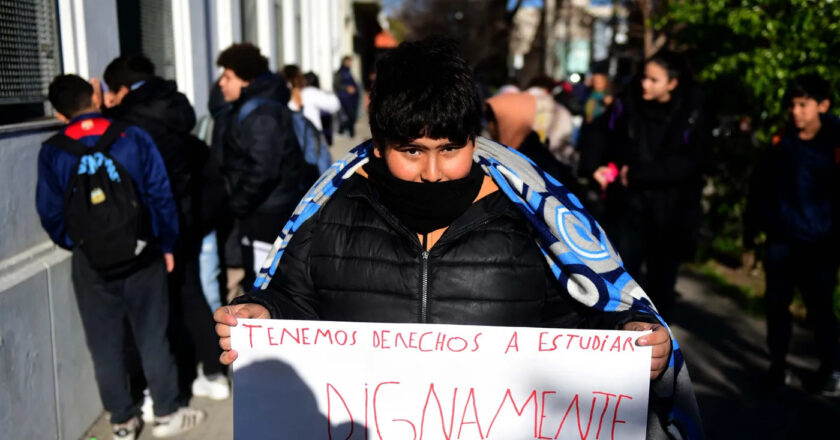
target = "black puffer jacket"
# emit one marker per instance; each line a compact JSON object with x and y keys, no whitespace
{"x":662,"y":145}
{"x":165,"y":113}
{"x":354,"y":261}
{"x":263,"y":163}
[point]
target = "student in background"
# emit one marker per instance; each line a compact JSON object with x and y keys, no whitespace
{"x":155,"y":104}
{"x":795,"y":200}
{"x":326,"y":104}
{"x":119,"y":267}
{"x":263,"y":162}
{"x":347,"y":90}
{"x":648,"y":148}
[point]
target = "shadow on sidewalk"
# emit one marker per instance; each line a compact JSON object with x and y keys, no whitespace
{"x":272,"y":401}
{"x":726,"y":355}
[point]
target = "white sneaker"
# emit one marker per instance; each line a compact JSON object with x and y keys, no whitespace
{"x":127,"y":430}
{"x":214,"y":386}
{"x":183,"y":420}
{"x":148,"y":407}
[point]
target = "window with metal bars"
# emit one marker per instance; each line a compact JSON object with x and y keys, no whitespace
{"x":146,"y":27}
{"x":29,"y":58}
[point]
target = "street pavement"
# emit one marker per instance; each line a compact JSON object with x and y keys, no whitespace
{"x":726,"y":355}
{"x":723,"y":347}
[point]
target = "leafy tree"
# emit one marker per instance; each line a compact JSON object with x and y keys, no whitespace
{"x":747,"y":50}
{"x":744,"y":53}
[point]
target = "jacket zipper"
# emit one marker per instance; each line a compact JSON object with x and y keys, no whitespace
{"x":424,"y":299}
{"x":424,"y":277}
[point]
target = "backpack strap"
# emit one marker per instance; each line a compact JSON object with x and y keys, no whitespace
{"x":252,"y":104}
{"x":68,"y":144}
{"x":114,"y":131}
{"x":79,"y":148}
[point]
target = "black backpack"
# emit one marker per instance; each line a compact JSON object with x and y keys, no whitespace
{"x":103,"y":214}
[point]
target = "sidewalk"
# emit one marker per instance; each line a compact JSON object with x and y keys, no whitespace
{"x":343,"y":144}
{"x":726,"y":354}
{"x":218,"y":426}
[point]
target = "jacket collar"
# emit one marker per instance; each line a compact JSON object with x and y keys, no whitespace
{"x":82,"y":116}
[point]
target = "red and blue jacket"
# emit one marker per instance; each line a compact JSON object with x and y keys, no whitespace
{"x":134,"y":150}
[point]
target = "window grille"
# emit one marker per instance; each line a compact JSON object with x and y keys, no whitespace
{"x":29,"y":50}
{"x":156,"y":36}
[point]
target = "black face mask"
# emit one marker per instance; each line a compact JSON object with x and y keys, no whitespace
{"x":424,"y":207}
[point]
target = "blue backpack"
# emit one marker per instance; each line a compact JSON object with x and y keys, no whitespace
{"x":312,"y":143}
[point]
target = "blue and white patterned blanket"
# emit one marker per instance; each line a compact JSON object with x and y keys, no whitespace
{"x":575,"y":247}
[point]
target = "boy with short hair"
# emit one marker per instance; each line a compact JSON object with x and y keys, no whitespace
{"x":154,"y":104}
{"x":263,"y":164}
{"x":794,"y":200}
{"x":135,"y":289}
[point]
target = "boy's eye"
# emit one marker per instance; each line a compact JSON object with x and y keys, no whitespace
{"x":411,"y":151}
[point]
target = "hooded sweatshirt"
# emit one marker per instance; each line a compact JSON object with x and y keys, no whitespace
{"x":515,"y":113}
{"x":160,"y":109}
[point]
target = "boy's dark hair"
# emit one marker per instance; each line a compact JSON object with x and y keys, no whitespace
{"x":673,"y":63}
{"x":126,"y":70}
{"x":809,"y":85}
{"x":312,"y":79}
{"x":293,"y":74}
{"x":70,"y":94}
{"x":424,"y":88}
{"x":601,"y":67}
{"x":542,"y":81}
{"x":244,"y":59}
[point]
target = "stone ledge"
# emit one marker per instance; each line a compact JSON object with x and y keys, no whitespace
{"x":24,"y":265}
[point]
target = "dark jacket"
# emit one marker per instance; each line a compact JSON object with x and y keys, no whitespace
{"x":213,"y":191}
{"x":134,"y":150}
{"x":662,"y":145}
{"x":354,"y":261}
{"x":342,"y":79}
{"x":165,"y":113}
{"x":795,"y":188}
{"x":262,"y":159}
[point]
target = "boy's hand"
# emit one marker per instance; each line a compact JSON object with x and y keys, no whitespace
{"x":169,"y":259}
{"x":97,"y":99}
{"x":600,"y":176}
{"x":225,"y":318}
{"x":660,"y":342}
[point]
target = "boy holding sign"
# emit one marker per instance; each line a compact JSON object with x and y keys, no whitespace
{"x":438,"y":225}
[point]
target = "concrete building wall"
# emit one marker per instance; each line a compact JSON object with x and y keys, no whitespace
{"x":47,"y":387}
{"x":18,"y":219}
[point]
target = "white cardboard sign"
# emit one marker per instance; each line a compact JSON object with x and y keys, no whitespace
{"x":343,"y":380}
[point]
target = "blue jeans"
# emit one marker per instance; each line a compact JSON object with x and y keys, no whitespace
{"x":209,"y":270}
